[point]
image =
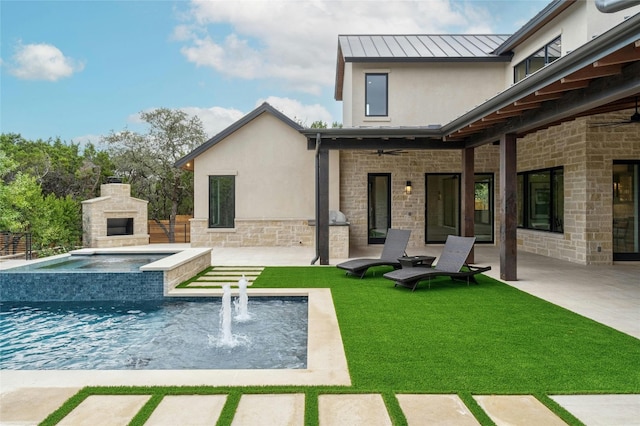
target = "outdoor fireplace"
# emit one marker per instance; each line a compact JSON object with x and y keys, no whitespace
{"x":115,"y":219}
{"x":118,"y":226}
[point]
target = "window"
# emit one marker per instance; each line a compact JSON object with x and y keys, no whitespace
{"x":538,"y":60}
{"x":541,"y":200}
{"x":222,"y":208}
{"x":379,"y":200}
{"x":376,"y":95}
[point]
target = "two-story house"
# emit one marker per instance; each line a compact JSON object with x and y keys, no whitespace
{"x":527,"y":141}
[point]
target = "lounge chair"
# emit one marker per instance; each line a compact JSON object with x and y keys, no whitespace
{"x":451,"y":263}
{"x":394,"y":247}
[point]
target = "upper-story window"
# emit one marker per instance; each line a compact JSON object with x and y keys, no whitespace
{"x":376,"y":95}
{"x":549,"y":53}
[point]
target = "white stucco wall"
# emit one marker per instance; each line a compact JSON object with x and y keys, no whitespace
{"x":275,"y":175}
{"x":577,"y":25}
{"x":417,"y":92}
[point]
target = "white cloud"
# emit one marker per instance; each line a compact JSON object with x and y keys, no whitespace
{"x":84,"y":140}
{"x":295,"y":110}
{"x":294,"y":42}
{"x":42,"y":62}
{"x":214,"y":119}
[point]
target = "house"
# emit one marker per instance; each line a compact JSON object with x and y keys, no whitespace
{"x":254,"y":186}
{"x":526,"y":140}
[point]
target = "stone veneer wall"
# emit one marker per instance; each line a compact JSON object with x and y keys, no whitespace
{"x":408,"y":210}
{"x":269,"y":233}
{"x":587,"y":153}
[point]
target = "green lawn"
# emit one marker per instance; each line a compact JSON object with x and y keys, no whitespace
{"x":486,"y":338}
{"x":452,"y":338}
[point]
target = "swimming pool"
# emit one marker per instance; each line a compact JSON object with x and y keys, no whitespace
{"x":175,"y":333}
{"x":89,"y":275}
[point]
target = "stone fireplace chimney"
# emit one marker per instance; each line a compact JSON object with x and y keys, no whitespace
{"x":115,"y":219}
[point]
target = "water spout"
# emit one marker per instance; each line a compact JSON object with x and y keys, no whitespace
{"x":226,"y":338}
{"x":242,"y":304}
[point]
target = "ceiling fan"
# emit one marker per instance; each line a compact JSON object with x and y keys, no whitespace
{"x":381,"y":152}
{"x":635,"y":118}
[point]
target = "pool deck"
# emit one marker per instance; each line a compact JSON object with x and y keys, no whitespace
{"x":607,"y":294}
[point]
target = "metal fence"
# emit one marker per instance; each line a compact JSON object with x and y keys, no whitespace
{"x":15,"y":244}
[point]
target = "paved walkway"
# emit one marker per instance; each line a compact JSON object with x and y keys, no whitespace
{"x":608,"y":294}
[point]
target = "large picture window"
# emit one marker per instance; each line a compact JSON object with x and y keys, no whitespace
{"x":541,"y":200}
{"x":376,"y":95}
{"x":222,"y":202}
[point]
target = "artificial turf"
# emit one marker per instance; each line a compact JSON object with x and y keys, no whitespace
{"x":450,"y":338}
{"x":488,"y":338}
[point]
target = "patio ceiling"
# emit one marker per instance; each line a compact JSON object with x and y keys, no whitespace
{"x":599,"y":77}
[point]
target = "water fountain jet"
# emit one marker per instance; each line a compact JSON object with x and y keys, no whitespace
{"x":242,"y":303}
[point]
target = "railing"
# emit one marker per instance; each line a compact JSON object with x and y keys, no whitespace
{"x":15,"y":244}
{"x":181,"y":233}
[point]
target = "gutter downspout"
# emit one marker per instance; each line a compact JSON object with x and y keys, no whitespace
{"x":612,"y":6}
{"x":318,"y":142}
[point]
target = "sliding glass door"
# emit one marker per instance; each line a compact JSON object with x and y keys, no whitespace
{"x":626,"y":210}
{"x":443,"y":207}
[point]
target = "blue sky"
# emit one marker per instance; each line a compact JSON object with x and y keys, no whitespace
{"x":81,"y":69}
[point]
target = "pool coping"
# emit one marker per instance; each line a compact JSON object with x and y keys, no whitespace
{"x":326,"y":358}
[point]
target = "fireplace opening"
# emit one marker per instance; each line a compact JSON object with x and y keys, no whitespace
{"x":120,"y":226}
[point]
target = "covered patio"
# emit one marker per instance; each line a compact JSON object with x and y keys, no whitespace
{"x":602,"y":76}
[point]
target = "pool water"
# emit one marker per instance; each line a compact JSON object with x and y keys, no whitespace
{"x":166,"y":334}
{"x":93,"y":263}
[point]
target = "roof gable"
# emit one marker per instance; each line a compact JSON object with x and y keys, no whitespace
{"x":264,"y":108}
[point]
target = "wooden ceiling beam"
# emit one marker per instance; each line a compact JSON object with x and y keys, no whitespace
{"x":589,"y":73}
{"x":535,"y":98}
{"x":559,"y":87}
{"x":517,"y":108}
{"x":628,"y":53}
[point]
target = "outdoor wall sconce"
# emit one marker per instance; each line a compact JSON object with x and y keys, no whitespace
{"x":407,"y":188}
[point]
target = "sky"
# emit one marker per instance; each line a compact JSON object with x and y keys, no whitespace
{"x":79,"y":70}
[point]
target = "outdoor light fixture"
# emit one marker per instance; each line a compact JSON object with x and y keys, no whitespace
{"x":407,"y":188}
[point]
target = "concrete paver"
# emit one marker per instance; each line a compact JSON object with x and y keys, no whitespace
{"x":271,"y":409}
{"x":521,"y":410}
{"x":353,"y":410}
{"x":602,"y":410}
{"x":105,"y":410}
{"x":187,"y":410}
{"x":30,"y":406}
{"x":443,"y":410}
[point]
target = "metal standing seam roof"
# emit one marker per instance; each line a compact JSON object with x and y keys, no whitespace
{"x":356,"y":48}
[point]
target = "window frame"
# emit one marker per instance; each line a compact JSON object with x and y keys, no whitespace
{"x":525,"y":196}
{"x":223,"y":225}
{"x":529,"y":60}
{"x":386,"y":94}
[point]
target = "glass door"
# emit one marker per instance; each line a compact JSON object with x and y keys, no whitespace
{"x":483,"y":208}
{"x":626,"y":210}
{"x":442,"y":216}
{"x":379,"y":206}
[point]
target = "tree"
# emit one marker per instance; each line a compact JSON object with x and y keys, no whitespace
{"x":52,"y":221}
{"x":146,"y":161}
{"x":58,"y":167}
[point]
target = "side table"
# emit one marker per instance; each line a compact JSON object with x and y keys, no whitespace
{"x":413,"y":261}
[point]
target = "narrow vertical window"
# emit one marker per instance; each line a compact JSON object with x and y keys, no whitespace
{"x":222,"y":209}
{"x":376,"y":95}
{"x":379,"y":200}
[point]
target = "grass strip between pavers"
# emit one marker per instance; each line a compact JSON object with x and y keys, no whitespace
{"x":480,"y":339}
